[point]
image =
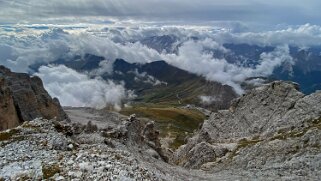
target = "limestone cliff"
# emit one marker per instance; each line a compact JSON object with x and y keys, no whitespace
{"x":23,"y":98}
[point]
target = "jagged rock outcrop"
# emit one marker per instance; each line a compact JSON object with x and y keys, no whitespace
{"x":138,"y":135}
{"x":23,"y":98}
{"x":273,"y":129}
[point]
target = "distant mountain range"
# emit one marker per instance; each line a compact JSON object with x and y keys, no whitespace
{"x":157,"y":82}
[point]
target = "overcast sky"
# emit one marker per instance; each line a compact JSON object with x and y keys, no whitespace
{"x":271,"y":12}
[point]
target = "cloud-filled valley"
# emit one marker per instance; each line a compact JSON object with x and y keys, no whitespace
{"x":199,"y":50}
{"x":78,"y":90}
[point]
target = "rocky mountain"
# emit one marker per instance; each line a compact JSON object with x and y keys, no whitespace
{"x":273,"y":130}
{"x":271,"y":133}
{"x":167,"y":43}
{"x":23,"y":98}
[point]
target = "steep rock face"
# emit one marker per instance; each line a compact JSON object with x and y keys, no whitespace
{"x":271,"y":127}
{"x":8,"y":114}
{"x":24,"y":98}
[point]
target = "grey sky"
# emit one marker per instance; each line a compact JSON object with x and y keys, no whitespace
{"x":271,"y":12}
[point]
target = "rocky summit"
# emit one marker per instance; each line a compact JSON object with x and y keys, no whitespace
{"x":23,"y":98}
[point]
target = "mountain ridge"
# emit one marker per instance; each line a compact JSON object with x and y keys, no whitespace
{"x":156,"y":82}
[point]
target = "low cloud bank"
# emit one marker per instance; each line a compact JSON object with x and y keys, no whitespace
{"x":192,"y":57}
{"x":78,"y":90}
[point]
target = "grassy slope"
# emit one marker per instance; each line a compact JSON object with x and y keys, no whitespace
{"x":188,"y":93}
{"x":171,"y":121}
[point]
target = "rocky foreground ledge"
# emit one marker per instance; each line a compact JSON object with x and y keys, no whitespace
{"x":50,"y":150}
{"x":43,"y":149}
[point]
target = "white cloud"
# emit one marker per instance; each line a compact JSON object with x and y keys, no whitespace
{"x":105,"y":66}
{"x":144,"y":77}
{"x":207,"y":100}
{"x":191,"y":57}
{"x":269,"y":61}
{"x":20,"y":51}
{"x":78,"y":90}
{"x":301,"y":36}
{"x":131,"y":52}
